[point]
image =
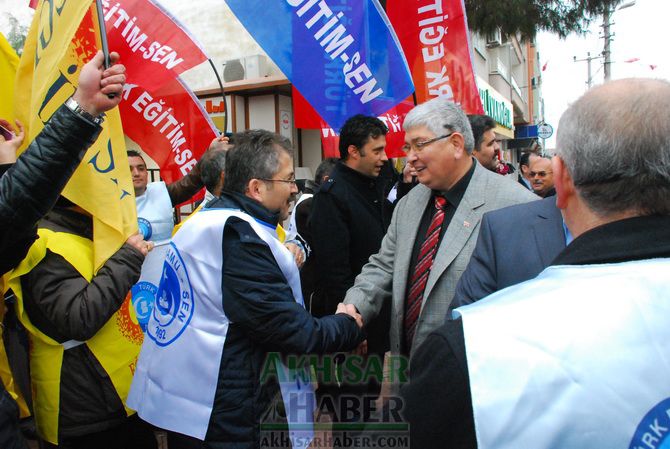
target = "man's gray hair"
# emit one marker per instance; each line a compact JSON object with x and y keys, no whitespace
{"x":615,"y":142}
{"x":255,"y":155}
{"x":441,"y":116}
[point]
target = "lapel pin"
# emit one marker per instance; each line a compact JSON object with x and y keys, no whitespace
{"x":466,"y":224}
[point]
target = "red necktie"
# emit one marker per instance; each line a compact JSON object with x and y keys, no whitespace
{"x":422,"y":270}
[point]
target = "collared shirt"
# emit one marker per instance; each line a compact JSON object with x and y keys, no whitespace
{"x":454,"y":197}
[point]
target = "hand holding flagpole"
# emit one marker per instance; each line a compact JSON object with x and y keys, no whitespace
{"x":103,"y":36}
{"x":100,"y":89}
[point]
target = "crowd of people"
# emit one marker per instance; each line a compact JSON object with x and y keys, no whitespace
{"x":483,"y":312}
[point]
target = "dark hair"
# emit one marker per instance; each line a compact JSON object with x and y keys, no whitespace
{"x":212,"y":164}
{"x":524,"y":159}
{"x":357,"y":130}
{"x":133,"y":153}
{"x":480,"y":124}
{"x":324,"y":169}
{"x":254,"y":156}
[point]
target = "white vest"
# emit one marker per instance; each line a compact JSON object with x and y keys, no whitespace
{"x":578,"y":358}
{"x":154,"y":213}
{"x":178,"y":368}
{"x":292,"y":230}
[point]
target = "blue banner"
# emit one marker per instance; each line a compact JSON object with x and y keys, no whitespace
{"x":342,"y":55}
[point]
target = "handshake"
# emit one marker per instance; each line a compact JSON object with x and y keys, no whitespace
{"x":350,"y":310}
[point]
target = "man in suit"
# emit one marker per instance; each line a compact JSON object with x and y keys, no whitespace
{"x":514,"y":245}
{"x":426,"y":249}
{"x":577,"y":357}
{"x":542,"y":177}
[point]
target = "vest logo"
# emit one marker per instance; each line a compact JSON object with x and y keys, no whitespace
{"x":143,"y":298}
{"x":653,"y":432}
{"x":145,"y":227}
{"x":173,"y":309}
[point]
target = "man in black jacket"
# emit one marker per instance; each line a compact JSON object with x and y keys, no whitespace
{"x":229,"y":298}
{"x":558,"y":361}
{"x":30,"y":188}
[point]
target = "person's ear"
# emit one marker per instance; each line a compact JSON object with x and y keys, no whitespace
{"x":458,"y":141}
{"x":256,"y":189}
{"x":563,"y":183}
{"x":354,"y":152}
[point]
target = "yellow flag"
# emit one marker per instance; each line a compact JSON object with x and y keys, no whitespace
{"x":62,"y":38}
{"x":9,"y":61}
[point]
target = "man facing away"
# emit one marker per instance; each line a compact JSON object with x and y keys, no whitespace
{"x":224,"y":306}
{"x":434,"y":227}
{"x":579,"y":356}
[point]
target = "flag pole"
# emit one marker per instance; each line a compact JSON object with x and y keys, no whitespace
{"x":223,"y":94}
{"x":103,"y":36}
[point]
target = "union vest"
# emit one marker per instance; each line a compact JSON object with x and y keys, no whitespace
{"x":577,"y":358}
{"x":187,"y":332}
{"x":154,"y":213}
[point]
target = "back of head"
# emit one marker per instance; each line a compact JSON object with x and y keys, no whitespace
{"x":255,"y":155}
{"x":324,"y":169}
{"x":357,"y":130}
{"x":212,"y":164}
{"x":440,"y":116}
{"x":615,"y":142}
{"x":480,"y":124}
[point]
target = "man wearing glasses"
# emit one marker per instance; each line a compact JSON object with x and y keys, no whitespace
{"x":542,"y":177}
{"x":206,"y":372}
{"x":434,"y":227}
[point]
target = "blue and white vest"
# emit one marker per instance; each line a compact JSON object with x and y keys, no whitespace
{"x":577,"y":358}
{"x":154,"y":213}
{"x":187,"y":333}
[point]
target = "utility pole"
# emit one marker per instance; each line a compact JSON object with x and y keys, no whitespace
{"x":606,"y":49}
{"x":588,"y":59}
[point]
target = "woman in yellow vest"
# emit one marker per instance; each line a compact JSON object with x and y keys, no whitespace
{"x":83,"y":332}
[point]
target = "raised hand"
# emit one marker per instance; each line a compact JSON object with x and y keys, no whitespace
{"x":96,"y":84}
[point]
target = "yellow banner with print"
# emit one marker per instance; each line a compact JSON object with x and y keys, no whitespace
{"x":62,"y":38}
{"x":9,"y":61}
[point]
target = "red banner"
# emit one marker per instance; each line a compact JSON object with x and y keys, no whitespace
{"x":169,"y":124}
{"x":153,"y":45}
{"x":434,"y":37}
{"x":395,"y":139}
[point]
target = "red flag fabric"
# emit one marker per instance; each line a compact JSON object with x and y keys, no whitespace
{"x":395,"y":139}
{"x":632,"y":60}
{"x":153,"y":45}
{"x":434,"y":37}
{"x":33,"y":3}
{"x":169,"y":124}
{"x":544,"y":67}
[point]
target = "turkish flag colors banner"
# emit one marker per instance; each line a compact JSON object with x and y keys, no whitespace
{"x":153,"y":45}
{"x":169,"y":124}
{"x":434,"y":37}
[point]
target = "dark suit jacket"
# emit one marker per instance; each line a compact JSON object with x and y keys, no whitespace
{"x":515,"y":244}
{"x":437,"y":402}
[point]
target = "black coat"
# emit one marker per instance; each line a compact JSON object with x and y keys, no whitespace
{"x":349,"y":218}
{"x":264,"y":318}
{"x":437,"y":401}
{"x":28,"y":190}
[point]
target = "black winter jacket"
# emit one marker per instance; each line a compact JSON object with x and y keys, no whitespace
{"x":65,"y":306}
{"x":348,"y":220}
{"x":28,"y":190}
{"x":264,"y":318}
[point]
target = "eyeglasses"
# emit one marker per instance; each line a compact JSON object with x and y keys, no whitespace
{"x":418,"y":146}
{"x":540,"y":174}
{"x":288,"y":181}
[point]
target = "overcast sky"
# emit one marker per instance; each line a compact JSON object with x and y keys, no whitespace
{"x":640,"y":31}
